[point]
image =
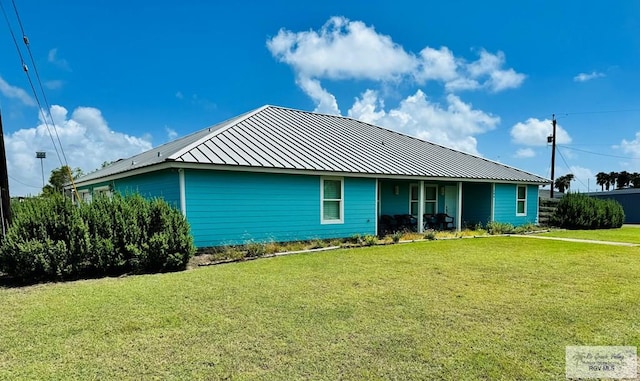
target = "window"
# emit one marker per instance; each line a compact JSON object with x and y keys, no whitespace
{"x":430,"y":199}
{"x":85,"y":195}
{"x":414,"y":199}
{"x":521,"y":203}
{"x":102,"y":191}
{"x":332,"y":208}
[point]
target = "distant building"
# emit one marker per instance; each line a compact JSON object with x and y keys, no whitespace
{"x":629,"y":198}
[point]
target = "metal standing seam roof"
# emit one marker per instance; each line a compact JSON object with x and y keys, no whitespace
{"x":287,"y":139}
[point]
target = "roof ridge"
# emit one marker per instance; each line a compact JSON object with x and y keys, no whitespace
{"x":225,"y":125}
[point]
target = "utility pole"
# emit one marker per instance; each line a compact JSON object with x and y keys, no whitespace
{"x":553,"y":153}
{"x":5,"y":199}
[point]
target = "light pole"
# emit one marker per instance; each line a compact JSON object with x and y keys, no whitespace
{"x":552,"y":139}
{"x":41,"y":155}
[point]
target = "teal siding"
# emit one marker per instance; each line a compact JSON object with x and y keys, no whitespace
{"x":391,"y":203}
{"x":230,"y":208}
{"x":505,"y":205}
{"x":163,"y":184}
{"x":476,"y":203}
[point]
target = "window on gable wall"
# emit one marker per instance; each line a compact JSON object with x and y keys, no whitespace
{"x":521,"y":202}
{"x":332,"y":189}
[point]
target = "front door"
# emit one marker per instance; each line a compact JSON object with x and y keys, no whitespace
{"x":451,"y":200}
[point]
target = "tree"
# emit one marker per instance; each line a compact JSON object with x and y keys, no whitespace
{"x":624,"y":178}
{"x":58,"y":178}
{"x":613,"y":177}
{"x":563,"y":183}
{"x":635,"y":180}
{"x":602,"y":179}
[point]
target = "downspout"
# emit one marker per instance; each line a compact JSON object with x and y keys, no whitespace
{"x":183,"y":193}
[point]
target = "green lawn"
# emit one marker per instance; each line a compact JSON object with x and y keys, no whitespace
{"x":624,"y":234}
{"x":487,"y":308}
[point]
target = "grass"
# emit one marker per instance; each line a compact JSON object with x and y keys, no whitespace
{"x":623,"y":234}
{"x":490,"y":308}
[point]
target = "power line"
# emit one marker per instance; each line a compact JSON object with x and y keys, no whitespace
{"x":25,"y":184}
{"x":601,"y":112}
{"x":33,"y":90}
{"x":35,"y":94}
{"x":569,"y":168}
{"x":599,"y":154}
{"x":35,"y":69}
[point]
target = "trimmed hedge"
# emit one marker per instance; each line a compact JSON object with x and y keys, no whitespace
{"x":579,"y":211}
{"x":53,"y":239}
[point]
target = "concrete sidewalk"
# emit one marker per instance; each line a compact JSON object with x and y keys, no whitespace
{"x":578,"y":240}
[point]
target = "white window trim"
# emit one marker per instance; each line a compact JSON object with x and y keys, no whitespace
{"x":518,"y":200}
{"x":322,"y":200}
{"x":424,"y":201}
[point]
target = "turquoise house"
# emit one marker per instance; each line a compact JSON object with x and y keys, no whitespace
{"x":278,"y":174}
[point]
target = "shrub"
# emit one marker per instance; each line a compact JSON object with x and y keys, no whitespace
{"x":494,"y":227}
{"x":255,"y":249}
{"x":526,"y":228}
{"x":53,"y":239}
{"x":430,"y":235}
{"x":396,"y":237}
{"x":369,"y":240}
{"x":579,"y":211}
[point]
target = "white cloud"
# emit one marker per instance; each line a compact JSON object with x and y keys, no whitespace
{"x":342,"y":49}
{"x":437,"y":65}
{"x":525,"y":153}
{"x":325,"y":102}
{"x":171,"y":133}
{"x":534,"y":133}
{"x":53,"y":58}
{"x":351,"y":50}
{"x":87,"y":141}
{"x":632,"y":149}
{"x":16,"y":93}
{"x":54,"y":84}
{"x":504,"y":79}
{"x":584,"y":77}
{"x":453,"y":126}
{"x":490,"y":66}
{"x":584,"y":179}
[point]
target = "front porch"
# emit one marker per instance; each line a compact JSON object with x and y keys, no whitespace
{"x":440,"y":205}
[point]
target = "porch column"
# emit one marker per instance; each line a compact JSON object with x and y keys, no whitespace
{"x":493,"y":202}
{"x":183,"y":193}
{"x":459,"y":208}
{"x":421,"y":206}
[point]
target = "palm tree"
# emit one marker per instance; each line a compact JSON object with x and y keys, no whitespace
{"x":602,"y":179}
{"x":613,"y":176}
{"x":563,"y":183}
{"x":624,"y":178}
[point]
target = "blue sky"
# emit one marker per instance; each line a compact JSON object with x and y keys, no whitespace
{"x":483,"y":77}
